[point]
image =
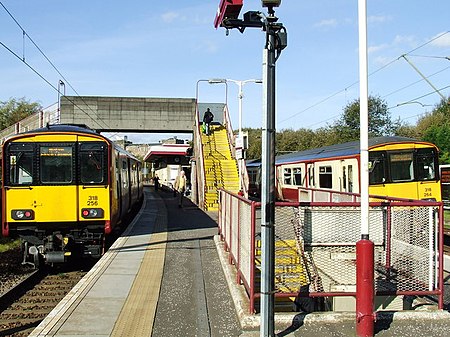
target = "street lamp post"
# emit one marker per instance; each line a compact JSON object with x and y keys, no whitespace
{"x":241,"y":96}
{"x":61,"y":85}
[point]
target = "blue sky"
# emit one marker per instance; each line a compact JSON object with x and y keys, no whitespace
{"x":162,"y":48}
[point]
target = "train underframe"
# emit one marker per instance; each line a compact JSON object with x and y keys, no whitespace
{"x":50,"y":247}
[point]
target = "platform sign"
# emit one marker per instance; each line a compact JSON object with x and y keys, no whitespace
{"x":239,"y":153}
{"x":239,"y":142}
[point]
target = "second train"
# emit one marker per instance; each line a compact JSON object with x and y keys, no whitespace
{"x":399,"y":167}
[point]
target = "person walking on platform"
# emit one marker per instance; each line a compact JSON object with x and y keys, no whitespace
{"x":156,"y":182}
{"x":180,"y":187}
{"x":207,"y":119}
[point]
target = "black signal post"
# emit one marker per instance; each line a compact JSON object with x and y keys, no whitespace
{"x":276,"y":41}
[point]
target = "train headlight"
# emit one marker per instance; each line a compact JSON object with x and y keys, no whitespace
{"x":90,"y":213}
{"x":22,"y":214}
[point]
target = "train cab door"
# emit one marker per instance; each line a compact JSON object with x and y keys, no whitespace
{"x":56,"y":195}
{"x":20,"y":181}
{"x":118,"y":187}
{"x":311,"y":179}
{"x":347,"y":176}
{"x":279,"y":183}
{"x":93,"y":192}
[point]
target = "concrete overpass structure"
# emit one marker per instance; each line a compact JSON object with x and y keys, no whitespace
{"x":130,"y":114}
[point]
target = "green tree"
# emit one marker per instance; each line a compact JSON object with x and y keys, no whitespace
{"x":15,"y":110}
{"x":434,"y":127}
{"x":254,"y":143}
{"x":380,"y":121}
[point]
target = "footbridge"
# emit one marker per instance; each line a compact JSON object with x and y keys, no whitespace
{"x":130,"y":114}
{"x":213,"y":164}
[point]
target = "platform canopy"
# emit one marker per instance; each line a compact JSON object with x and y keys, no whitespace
{"x":176,"y":154}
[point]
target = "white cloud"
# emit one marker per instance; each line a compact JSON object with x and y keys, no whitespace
{"x":378,"y":18}
{"x":442,"y":41}
{"x":326,"y":23}
{"x":382,"y":60}
{"x":170,"y":17}
{"x":208,"y":46}
{"x":374,"y":49}
{"x":408,"y":40}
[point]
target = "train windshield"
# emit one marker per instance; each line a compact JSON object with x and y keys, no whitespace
{"x":426,"y":164}
{"x":20,"y":164}
{"x":92,"y":163}
{"x":56,"y":164}
{"x":401,"y":166}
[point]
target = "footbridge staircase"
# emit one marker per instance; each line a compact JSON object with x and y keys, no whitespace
{"x":217,"y":166}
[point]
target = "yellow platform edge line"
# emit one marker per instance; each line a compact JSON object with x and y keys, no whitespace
{"x":138,"y":313}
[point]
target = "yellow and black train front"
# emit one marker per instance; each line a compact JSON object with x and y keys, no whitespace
{"x":62,"y":191}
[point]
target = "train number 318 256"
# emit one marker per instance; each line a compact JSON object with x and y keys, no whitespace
{"x":92,"y":200}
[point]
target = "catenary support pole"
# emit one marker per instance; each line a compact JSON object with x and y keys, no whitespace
{"x":364,"y":247}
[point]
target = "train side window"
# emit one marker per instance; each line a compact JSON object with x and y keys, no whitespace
{"x":56,"y":163}
{"x":92,"y":163}
{"x":287,"y":176}
{"x":425,"y":163}
{"x":325,"y":177}
{"x":20,"y":164}
{"x":297,"y":176}
{"x":377,"y":168}
{"x":401,"y":166}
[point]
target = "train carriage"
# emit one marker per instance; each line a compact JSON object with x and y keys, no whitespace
{"x":399,"y":167}
{"x":65,"y":188}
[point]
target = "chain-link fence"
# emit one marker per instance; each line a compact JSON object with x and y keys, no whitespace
{"x":315,"y":245}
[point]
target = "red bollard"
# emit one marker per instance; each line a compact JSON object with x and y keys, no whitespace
{"x":365,"y":316}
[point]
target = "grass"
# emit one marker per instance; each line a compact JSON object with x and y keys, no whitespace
{"x":8,"y":243}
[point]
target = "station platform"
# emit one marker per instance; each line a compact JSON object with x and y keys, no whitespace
{"x":168,"y":275}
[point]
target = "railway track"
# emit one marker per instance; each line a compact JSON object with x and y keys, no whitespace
{"x":29,"y":302}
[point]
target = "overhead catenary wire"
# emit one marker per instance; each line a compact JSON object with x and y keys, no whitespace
{"x":356,"y":82}
{"x":415,"y":100}
{"x":47,"y":81}
{"x":23,"y":60}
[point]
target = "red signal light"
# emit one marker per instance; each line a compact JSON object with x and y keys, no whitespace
{"x":228,"y":9}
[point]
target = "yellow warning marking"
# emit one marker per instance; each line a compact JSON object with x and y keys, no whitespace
{"x":138,"y":313}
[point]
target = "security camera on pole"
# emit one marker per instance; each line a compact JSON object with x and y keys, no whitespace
{"x":276,"y":41}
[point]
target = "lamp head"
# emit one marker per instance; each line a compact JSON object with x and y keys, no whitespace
{"x":217,"y":80}
{"x":271,"y":3}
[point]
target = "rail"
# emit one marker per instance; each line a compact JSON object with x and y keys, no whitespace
{"x":200,"y":170}
{"x":243,"y":177}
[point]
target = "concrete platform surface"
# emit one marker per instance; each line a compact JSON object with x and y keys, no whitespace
{"x":168,"y":275}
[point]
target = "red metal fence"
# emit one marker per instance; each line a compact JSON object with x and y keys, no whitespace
{"x":316,"y":246}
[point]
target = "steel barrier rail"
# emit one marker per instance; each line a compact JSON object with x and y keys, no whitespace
{"x":408,"y":235}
